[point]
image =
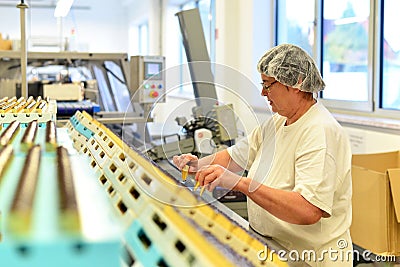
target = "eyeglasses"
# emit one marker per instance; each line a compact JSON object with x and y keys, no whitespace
{"x":267,"y":88}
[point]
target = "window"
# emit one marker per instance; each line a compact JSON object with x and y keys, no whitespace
{"x":185,"y":90}
{"x":390,"y":53}
{"x":139,"y":39}
{"x":345,"y":48}
{"x":296,"y":27}
{"x":207,"y":15}
{"x":118,"y":86}
{"x":143,"y":39}
{"x":356,"y":45}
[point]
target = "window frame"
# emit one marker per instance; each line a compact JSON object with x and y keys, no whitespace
{"x":371,"y":107}
{"x":335,"y":104}
{"x":378,"y":53}
{"x":186,"y":90}
{"x":143,"y":39}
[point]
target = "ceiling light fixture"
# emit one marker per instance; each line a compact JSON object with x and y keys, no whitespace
{"x":62,"y":8}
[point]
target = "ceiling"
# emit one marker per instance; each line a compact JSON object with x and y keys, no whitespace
{"x":40,"y":3}
{"x":170,"y":2}
{"x":78,"y":4}
{"x":34,"y":2}
{"x":53,"y":2}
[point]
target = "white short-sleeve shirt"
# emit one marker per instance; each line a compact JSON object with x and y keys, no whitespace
{"x":311,"y":156}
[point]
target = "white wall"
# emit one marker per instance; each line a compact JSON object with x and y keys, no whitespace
{"x":372,"y":141}
{"x":240,"y":34}
{"x":148,"y":11}
{"x":9,"y":25}
{"x":103,"y":28}
{"x":243,"y":37}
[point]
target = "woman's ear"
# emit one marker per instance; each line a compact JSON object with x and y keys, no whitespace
{"x":296,"y":90}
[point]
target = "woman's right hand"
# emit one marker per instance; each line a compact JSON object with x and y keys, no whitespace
{"x":186,"y":159}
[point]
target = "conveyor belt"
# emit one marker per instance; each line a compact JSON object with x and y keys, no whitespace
{"x":166,"y":222}
{"x":92,"y":200}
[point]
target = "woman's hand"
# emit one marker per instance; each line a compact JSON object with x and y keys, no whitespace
{"x":186,"y":159}
{"x":216,"y":175}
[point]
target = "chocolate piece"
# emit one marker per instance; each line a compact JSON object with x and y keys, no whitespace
{"x":9,"y":134}
{"x":29,"y":136}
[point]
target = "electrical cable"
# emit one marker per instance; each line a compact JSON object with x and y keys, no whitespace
{"x":113,"y":74}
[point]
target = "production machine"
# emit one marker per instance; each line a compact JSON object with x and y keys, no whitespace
{"x":121,"y":93}
{"x":101,"y":80}
{"x":80,"y":196}
{"x":200,"y":134}
{"x":147,"y":88}
{"x":147,"y":79}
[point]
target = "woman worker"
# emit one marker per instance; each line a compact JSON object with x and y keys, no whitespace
{"x":299,"y":161}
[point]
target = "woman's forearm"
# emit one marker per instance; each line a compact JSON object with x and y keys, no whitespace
{"x":288,"y":206}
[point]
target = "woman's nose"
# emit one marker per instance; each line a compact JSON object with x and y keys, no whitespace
{"x":264,"y":92}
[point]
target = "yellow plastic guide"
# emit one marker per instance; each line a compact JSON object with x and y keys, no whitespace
{"x":217,"y":258}
{"x":19,"y":106}
{"x":8,"y":105}
{"x":42,"y":105}
{"x":196,"y":186}
{"x":23,"y":108}
{"x":6,"y":101}
{"x":3,"y":100}
{"x":185,"y":171}
{"x":202,"y":190}
{"x":33,"y":105}
{"x":28,"y":108}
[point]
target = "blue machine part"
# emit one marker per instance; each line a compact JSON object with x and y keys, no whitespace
{"x":63,"y":253}
{"x":137,"y":239}
{"x":81,"y":128}
{"x":67,"y":109}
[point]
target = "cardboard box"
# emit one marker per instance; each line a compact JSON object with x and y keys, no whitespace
{"x":63,"y":92}
{"x":376,"y":202}
{"x":5,"y":44}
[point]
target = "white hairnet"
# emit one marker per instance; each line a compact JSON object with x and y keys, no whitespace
{"x":293,"y":67}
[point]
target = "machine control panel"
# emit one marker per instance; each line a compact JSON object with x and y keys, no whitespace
{"x":148,"y":78}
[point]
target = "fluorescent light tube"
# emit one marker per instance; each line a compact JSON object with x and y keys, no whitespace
{"x":62,"y":8}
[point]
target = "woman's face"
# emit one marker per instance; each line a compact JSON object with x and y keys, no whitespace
{"x":278,"y":95}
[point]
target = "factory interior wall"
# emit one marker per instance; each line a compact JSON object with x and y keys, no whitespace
{"x":96,"y":29}
{"x":367,"y":141}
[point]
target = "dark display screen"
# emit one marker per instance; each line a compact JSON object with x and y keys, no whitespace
{"x":152,"y":69}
